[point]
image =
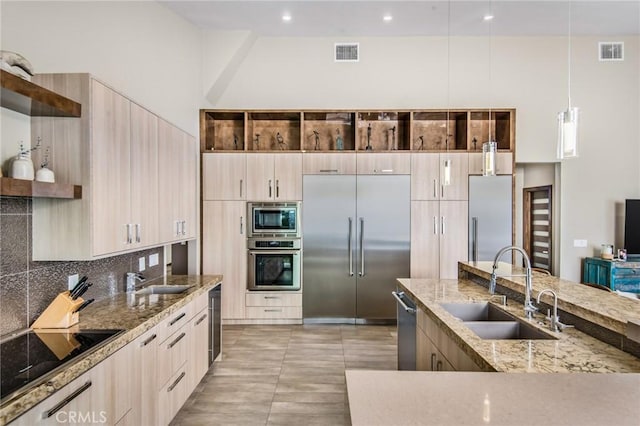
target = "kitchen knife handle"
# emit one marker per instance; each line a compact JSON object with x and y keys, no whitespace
{"x":349,"y":248}
{"x":474,"y":239}
{"x":361,"y":273}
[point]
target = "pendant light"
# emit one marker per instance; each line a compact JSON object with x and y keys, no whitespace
{"x":568,"y":119}
{"x":446,"y":170}
{"x":490,"y":147}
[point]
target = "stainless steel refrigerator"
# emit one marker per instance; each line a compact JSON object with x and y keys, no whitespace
{"x":490,"y":216}
{"x":356,"y":232}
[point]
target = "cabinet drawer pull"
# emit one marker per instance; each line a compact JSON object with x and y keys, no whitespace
{"x":67,"y":400}
{"x":176,"y":319}
{"x":202,"y":318}
{"x":382,"y":171}
{"x":174,"y":384}
{"x":271,"y":297}
{"x":328,"y":170}
{"x":172,"y":344}
{"x":273,"y":310}
{"x":149,"y":340}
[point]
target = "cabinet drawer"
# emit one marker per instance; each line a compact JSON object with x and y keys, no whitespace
{"x":282,"y":312}
{"x":383,"y":164}
{"x":174,"y":321}
{"x":200,"y":303}
{"x":626,"y":273}
{"x":172,"y":353}
{"x":329,"y":164}
{"x":173,"y":395}
{"x":271,"y":299}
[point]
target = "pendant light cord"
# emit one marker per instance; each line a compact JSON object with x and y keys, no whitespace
{"x":569,"y":56}
{"x":490,"y":73}
{"x":448,"y":70}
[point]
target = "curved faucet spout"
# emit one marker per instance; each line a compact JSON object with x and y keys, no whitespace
{"x":529,"y":308}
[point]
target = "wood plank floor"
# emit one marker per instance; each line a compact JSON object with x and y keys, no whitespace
{"x":287,"y":375}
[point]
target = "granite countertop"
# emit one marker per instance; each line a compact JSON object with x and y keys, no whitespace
{"x":573,"y":351}
{"x":135,"y":314}
{"x":462,"y":398}
{"x":607,"y":309}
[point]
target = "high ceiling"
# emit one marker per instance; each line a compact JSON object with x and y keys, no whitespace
{"x":333,"y":18}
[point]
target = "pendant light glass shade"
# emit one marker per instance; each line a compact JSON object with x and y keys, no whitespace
{"x":568,"y":133}
{"x":446,"y":173}
{"x":489,"y":150}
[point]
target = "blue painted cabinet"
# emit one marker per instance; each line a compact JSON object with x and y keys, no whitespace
{"x":617,"y":275}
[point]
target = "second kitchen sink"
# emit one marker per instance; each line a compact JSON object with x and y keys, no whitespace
{"x":164,"y":289}
{"x":488,"y":321}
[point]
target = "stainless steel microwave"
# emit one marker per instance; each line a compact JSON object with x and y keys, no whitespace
{"x":274,"y":220}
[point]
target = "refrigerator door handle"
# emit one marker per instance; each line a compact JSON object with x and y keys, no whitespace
{"x":349,"y":247}
{"x":474,"y":239}
{"x":361,"y":273}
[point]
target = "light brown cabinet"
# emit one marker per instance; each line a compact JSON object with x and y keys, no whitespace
{"x":273,"y":305}
{"x":329,"y":163}
{"x":274,"y":177}
{"x":224,"y":176}
{"x":113,"y":151}
{"x":428,"y":176}
{"x":198,"y":349}
{"x":383,"y":163}
{"x":224,"y":251}
{"x":439,"y":237}
{"x":144,"y":381}
{"x":504,"y":163}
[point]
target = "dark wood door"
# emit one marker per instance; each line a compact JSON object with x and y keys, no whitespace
{"x":537,"y":223}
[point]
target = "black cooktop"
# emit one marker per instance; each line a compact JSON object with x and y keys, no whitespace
{"x":28,"y":359}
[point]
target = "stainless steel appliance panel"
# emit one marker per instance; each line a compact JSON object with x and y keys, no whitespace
{"x":274,"y":269}
{"x":490,"y":216}
{"x":328,"y":219}
{"x":406,"y":331}
{"x":383,"y":235}
{"x":215,"y":327}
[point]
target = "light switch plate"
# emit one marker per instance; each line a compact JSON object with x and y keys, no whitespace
{"x":153,"y":259}
{"x":579,"y":243}
{"x":72,"y":280}
{"x":141,"y":264}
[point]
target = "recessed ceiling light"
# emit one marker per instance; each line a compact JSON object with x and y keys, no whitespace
{"x":488,"y":17}
{"x":387,"y":18}
{"x":286,"y":17}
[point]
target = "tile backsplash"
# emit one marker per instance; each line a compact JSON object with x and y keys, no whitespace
{"x":27,"y":287}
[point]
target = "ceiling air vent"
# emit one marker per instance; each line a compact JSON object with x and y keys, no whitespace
{"x":347,"y":52}
{"x":611,"y":51}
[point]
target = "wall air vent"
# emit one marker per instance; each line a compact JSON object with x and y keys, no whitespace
{"x":611,"y":51}
{"x":347,"y":52}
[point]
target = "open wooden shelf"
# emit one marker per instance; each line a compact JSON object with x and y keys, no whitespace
{"x":28,"y":98}
{"x":27,"y":188}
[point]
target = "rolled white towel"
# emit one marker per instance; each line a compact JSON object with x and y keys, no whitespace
{"x":16,"y":59}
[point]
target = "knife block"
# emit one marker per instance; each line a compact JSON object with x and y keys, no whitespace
{"x":59,"y":313}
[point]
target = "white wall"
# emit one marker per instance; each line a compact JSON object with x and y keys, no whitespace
{"x":140,"y":48}
{"x":526,"y":73}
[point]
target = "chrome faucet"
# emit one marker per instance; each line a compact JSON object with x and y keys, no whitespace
{"x":554,"y":320}
{"x":529,"y":309}
{"x":131,"y":280}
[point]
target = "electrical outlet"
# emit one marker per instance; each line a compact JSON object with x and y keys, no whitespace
{"x":72,"y":280}
{"x":153,"y":259}
{"x":579,"y":243}
{"x":141,"y":264}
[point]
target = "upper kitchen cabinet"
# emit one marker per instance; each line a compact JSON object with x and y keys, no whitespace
{"x":273,"y":131}
{"x":177,"y":160}
{"x":222,"y":130}
{"x":499,"y":125}
{"x":329,"y":163}
{"x":328,"y":131}
{"x":439,"y":130}
{"x":388,"y":163}
{"x":113,"y":151}
{"x":383,"y":131}
{"x":504,"y":163}
{"x":430,"y":179}
{"x":274,"y":177}
{"x":224,"y":176}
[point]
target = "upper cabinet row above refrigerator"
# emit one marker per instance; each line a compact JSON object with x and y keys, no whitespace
{"x":367,"y":131}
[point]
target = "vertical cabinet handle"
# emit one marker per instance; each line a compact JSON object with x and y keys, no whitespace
{"x":177,"y":228}
{"x":474,"y":239}
{"x":269,"y":188}
{"x":433,"y":362}
{"x":277,"y":188}
{"x":439,"y":365}
{"x":435,"y":188}
{"x":129,"y":235}
{"x":435,"y":225}
{"x":442,"y":225}
{"x":138,"y":237}
{"x":361,"y":273}
{"x":240,"y":188}
{"x":184,"y":227}
{"x":349,"y":250}
{"x":241,"y":225}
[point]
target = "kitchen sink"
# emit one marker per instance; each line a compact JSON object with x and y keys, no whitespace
{"x":164,"y":289}
{"x":483,"y":311}
{"x":499,"y":330}
{"x":488,"y":321}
